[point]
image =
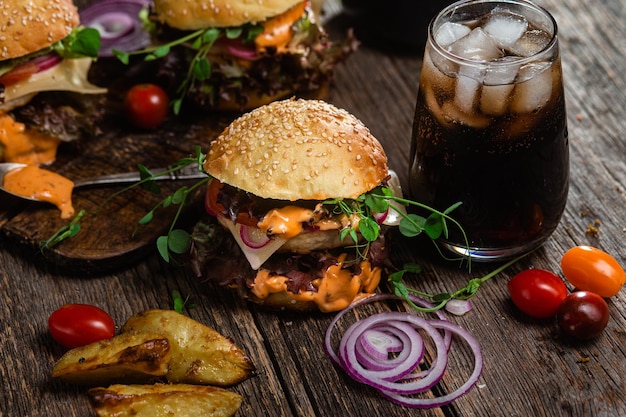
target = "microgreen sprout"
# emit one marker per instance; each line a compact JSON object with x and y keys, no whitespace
{"x":380,"y":200}
{"x":440,"y":300}
{"x":201,"y":41}
{"x":176,"y":240}
{"x":65,"y":232}
{"x":179,"y":304}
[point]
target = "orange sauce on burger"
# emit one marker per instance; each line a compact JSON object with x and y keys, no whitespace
{"x":335,"y":291}
{"x":19,"y":144}
{"x":34,"y":182}
{"x":285,"y":222}
{"x":277,"y":31}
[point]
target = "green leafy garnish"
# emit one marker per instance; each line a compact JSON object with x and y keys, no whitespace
{"x":82,"y":42}
{"x":440,"y":300}
{"x":201,"y":42}
{"x":179,"y":303}
{"x":176,"y":240}
{"x":381,"y":199}
{"x":64,"y":232}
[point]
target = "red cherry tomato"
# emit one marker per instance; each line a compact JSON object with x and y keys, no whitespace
{"x":76,"y":325}
{"x":147,"y":105}
{"x":591,"y":269}
{"x":537,"y":292}
{"x":583,"y":315}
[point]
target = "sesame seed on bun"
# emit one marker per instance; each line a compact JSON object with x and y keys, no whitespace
{"x":26,"y":26}
{"x":298,"y":150}
{"x":201,"y":14}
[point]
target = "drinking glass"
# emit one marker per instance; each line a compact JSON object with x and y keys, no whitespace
{"x":490,"y":128}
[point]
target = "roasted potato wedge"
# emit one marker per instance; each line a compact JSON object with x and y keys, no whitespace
{"x":127,"y":358}
{"x":200,"y":355}
{"x":163,"y":400}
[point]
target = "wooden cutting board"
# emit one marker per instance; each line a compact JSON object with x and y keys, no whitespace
{"x":110,"y":235}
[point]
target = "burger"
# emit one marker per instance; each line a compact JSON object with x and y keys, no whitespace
{"x":43,"y":49}
{"x":287,"y":221}
{"x":238,"y":55}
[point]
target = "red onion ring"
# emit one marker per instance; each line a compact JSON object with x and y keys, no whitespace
{"x":399,"y":377}
{"x":118,"y":23}
{"x":253,"y":237}
{"x":47,"y":61}
{"x":458,"y":307}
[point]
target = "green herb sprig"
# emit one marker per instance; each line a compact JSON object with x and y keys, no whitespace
{"x":380,"y":200}
{"x":176,"y":240}
{"x":200,"y":41}
{"x":440,"y":300}
{"x":179,"y":304}
{"x":65,"y":232}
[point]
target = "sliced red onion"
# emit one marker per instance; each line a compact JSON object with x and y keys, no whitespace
{"x":380,"y":344}
{"x":380,"y":217}
{"x":47,"y":61}
{"x":253,"y":237}
{"x":462,"y":390}
{"x":364,"y":353}
{"x":118,"y":23}
{"x":236,"y":48}
{"x":458,"y":307}
{"x":242,"y":52}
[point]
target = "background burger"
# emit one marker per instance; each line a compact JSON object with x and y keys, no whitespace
{"x":287,"y":185}
{"x":42,"y":49}
{"x":237,"y":55}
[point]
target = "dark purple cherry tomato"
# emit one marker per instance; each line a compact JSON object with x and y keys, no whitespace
{"x":538,"y":293}
{"x":76,"y":325}
{"x":583,"y":315}
{"x":147,"y":105}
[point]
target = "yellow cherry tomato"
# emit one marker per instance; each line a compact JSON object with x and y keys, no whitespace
{"x":590,"y":269}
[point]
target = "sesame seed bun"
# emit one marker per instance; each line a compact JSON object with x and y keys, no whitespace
{"x":27,"y":26}
{"x":298,"y":150}
{"x":201,"y":14}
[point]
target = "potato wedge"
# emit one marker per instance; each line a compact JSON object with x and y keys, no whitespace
{"x":200,"y":355}
{"x":126,"y":358}
{"x":163,"y":400}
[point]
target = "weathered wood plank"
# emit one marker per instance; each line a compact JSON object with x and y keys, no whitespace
{"x":529,"y":368}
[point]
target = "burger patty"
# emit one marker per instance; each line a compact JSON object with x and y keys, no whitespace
{"x":216,"y":257}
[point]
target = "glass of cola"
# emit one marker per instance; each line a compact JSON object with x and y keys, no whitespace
{"x":490,"y":128}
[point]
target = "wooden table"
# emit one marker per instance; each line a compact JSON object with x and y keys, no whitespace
{"x":529,"y":369}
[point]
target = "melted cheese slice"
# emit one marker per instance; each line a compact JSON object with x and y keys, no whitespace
{"x":68,"y":75}
{"x":43,"y":185}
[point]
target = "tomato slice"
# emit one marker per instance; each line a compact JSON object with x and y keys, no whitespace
{"x":19,"y":73}
{"x":210,"y":198}
{"x":216,"y":209}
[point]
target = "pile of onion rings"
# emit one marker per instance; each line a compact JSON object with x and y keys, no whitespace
{"x":386,"y":351}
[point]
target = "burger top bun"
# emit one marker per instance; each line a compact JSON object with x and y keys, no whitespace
{"x":298,"y":149}
{"x":27,"y":26}
{"x":201,"y":14}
